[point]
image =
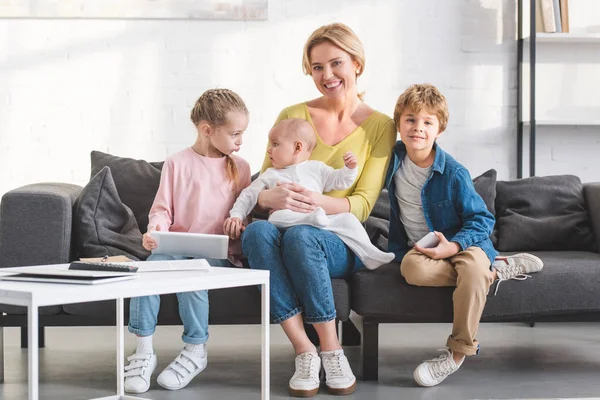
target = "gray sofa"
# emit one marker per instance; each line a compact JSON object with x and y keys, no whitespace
{"x":40,"y":224}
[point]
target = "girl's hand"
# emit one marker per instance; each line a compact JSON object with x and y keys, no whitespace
{"x":443,"y":250}
{"x":148,"y":243}
{"x":287,"y":196}
{"x":233,"y":227}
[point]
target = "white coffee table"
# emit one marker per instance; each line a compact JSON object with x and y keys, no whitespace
{"x":34,"y":295}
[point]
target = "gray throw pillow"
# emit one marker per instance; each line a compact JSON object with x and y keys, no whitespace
{"x":102,"y":224}
{"x":543,"y":213}
{"x":485,"y":186}
{"x":136,"y":181}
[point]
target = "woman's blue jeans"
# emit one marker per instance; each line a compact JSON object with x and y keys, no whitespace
{"x":302,"y":261}
{"x":193,"y":308}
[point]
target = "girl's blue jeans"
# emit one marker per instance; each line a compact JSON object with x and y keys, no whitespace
{"x":302,"y":261}
{"x":193,"y":308}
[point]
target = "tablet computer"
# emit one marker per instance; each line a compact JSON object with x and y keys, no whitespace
{"x":62,"y":274}
{"x":191,"y":244}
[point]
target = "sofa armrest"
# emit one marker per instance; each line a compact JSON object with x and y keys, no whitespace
{"x":35,"y":224}
{"x":591,"y":192}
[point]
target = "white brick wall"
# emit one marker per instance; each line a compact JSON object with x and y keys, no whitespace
{"x":126,"y":87}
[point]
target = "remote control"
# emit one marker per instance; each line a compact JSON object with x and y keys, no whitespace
{"x":102,"y":266}
{"x":428,"y":241}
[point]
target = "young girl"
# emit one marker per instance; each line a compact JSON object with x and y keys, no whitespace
{"x":198,"y":187}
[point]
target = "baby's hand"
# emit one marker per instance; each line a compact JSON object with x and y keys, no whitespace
{"x":350,"y":160}
{"x":233,"y":228}
{"x":148,"y":243}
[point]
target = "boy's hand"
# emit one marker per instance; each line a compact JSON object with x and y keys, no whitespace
{"x":149,"y":243}
{"x":443,"y":250}
{"x":350,"y":160}
{"x":233,"y":228}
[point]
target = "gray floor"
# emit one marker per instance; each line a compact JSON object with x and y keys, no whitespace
{"x":548,"y":361}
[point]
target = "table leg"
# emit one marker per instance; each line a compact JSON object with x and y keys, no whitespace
{"x":120,"y":349}
{"x":32,"y":326}
{"x":265,"y":325}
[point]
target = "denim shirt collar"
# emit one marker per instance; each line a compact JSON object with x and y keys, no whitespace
{"x":399,"y":152}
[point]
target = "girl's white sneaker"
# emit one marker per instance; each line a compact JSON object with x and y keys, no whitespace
{"x":183,"y":369}
{"x":138,"y":372}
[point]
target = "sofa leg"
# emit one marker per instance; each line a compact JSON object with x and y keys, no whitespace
{"x":370,"y":351}
{"x":1,"y":354}
{"x":351,"y":335}
{"x":41,"y":336}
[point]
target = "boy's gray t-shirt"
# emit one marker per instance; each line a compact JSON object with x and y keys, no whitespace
{"x":409,"y":181}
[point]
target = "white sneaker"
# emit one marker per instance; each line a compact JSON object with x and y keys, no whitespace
{"x":338,"y":375}
{"x":433,"y":372}
{"x":516,"y":267}
{"x":139,"y":371}
{"x":182,"y":370}
{"x":305,"y":381}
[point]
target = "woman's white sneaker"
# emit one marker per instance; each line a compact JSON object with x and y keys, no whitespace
{"x":338,"y":375}
{"x":183,"y":369}
{"x":139,"y":371}
{"x":433,"y":372}
{"x":305,"y":381}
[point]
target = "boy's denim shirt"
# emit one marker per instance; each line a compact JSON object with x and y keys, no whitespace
{"x":450,"y":204}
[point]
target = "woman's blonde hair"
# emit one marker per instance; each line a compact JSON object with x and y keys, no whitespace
{"x":212,"y":107}
{"x":423,"y":97}
{"x":339,"y":35}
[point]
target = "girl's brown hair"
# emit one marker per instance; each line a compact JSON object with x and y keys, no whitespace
{"x":341,"y":36}
{"x":212,"y":107}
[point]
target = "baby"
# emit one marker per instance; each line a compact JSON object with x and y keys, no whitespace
{"x":291,"y":143}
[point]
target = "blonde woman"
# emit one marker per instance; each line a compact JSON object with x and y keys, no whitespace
{"x":303,"y":259}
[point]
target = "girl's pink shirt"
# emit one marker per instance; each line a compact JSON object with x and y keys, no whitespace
{"x":195,"y":195}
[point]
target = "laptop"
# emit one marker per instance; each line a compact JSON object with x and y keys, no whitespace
{"x":62,"y":274}
{"x":185,"y":244}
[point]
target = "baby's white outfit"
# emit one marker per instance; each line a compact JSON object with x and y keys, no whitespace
{"x":317,"y":177}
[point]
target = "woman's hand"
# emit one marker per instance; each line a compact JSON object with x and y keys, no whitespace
{"x":149,"y":243}
{"x":444,"y":249}
{"x":287,"y":196}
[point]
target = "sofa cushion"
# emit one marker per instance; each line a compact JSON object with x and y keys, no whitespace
{"x":102,"y":225}
{"x":543,"y":213}
{"x":566,"y":285}
{"x":136,"y":181}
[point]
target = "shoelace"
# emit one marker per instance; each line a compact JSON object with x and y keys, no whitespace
{"x":441,"y":366}
{"x":306,"y":366}
{"x":137,"y":364}
{"x":511,"y":271}
{"x":332,"y":363}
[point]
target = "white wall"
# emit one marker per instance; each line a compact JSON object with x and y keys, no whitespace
{"x":126,"y":86}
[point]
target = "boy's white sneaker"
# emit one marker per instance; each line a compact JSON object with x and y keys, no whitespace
{"x":305,"y":381}
{"x":138,"y":372}
{"x":338,"y":375}
{"x":516,"y":267}
{"x":183,"y":369}
{"x":433,"y":372}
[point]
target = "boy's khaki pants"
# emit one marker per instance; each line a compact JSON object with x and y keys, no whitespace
{"x":469,"y":271}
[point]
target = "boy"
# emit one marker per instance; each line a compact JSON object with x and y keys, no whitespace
{"x":430,"y":191}
{"x":291,"y":143}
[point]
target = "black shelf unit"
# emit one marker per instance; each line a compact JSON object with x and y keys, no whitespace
{"x":520,"y":88}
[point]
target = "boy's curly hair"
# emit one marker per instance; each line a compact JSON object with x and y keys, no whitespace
{"x":423,"y":97}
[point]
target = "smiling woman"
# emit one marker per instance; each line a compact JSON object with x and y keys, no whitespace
{"x":303,"y":259}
